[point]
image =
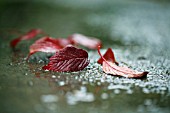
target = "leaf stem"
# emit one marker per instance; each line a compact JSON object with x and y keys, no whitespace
{"x":107,"y":61}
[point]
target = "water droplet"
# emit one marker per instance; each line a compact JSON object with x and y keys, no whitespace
{"x":46,"y":70}
{"x":53,"y":76}
{"x":83,"y":89}
{"x":61,"y":83}
{"x":79,"y":96}
{"x":30,"y":83}
{"x":145,"y":90}
{"x":40,"y":61}
{"x":49,"y":98}
{"x":116,"y":91}
{"x":11,"y":63}
{"x":148,"y":102}
{"x":98,"y":83}
{"x":129,"y":91}
{"x":104,"y":96}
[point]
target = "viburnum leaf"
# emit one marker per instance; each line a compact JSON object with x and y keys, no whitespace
{"x":45,"y":44}
{"x":68,"y":59}
{"x":110,"y":67}
{"x":109,"y":56}
{"x":64,"y":42}
{"x":89,"y":42}
{"x":29,"y":35}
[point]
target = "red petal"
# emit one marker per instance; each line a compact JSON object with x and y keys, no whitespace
{"x":89,"y":42}
{"x":109,"y":56}
{"x":31,"y":34}
{"x":68,"y":59}
{"x":112,"y":68}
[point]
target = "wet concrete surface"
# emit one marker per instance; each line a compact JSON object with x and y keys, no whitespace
{"x":137,"y":31}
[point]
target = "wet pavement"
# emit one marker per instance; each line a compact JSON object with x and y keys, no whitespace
{"x":137,"y":31}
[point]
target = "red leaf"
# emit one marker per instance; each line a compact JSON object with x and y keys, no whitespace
{"x":111,"y":68}
{"x":109,"y":56}
{"x":31,"y":34}
{"x":48,"y":45}
{"x":45,"y":44}
{"x":89,"y":42}
{"x":64,"y":42}
{"x":68,"y":59}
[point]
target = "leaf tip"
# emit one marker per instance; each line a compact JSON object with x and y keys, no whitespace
{"x":145,"y":73}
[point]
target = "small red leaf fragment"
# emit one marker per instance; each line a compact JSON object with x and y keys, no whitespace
{"x":111,"y":68}
{"x":68,"y":59}
{"x":29,"y":35}
{"x":109,"y":56}
{"x":89,"y":42}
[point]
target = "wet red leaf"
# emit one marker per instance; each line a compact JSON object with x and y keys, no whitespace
{"x":109,"y":56}
{"x":29,"y":35}
{"x":89,"y":42}
{"x":48,"y":45}
{"x":110,"y":67}
{"x":68,"y":59}
{"x":62,"y":42}
{"x":45,"y":44}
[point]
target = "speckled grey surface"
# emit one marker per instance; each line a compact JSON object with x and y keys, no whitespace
{"x":137,"y":31}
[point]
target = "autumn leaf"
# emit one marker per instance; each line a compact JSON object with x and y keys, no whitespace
{"x":109,"y":56}
{"x":45,"y":44}
{"x":62,"y":42}
{"x":68,"y":59}
{"x":48,"y":45}
{"x":29,"y":35}
{"x":89,"y":42}
{"x":110,"y":67}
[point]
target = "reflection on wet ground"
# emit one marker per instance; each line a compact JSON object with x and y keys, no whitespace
{"x":136,"y":31}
